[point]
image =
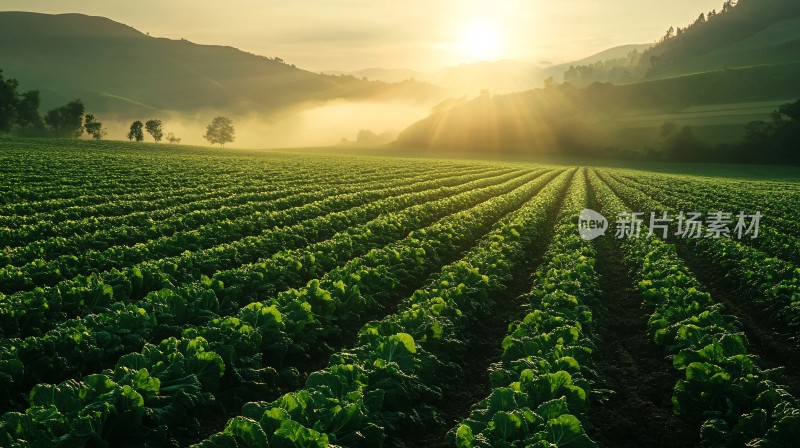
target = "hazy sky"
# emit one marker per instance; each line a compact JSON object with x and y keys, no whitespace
{"x":418,"y":34}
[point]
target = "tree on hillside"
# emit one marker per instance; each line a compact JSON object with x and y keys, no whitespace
{"x":28,"y":117}
{"x":220,"y":131}
{"x":135,"y":133}
{"x":19,"y":112}
{"x":93,"y":127}
{"x":172,"y":139}
{"x":155,"y":129}
{"x":701,"y":19}
{"x":774,"y":141}
{"x":67,"y":120}
{"x":683,"y":145}
{"x":669,"y":35}
{"x":729,"y":5}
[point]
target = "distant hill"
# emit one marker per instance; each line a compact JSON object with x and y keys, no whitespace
{"x":498,"y":77}
{"x":716,"y":76}
{"x":743,"y":34}
{"x":620,"y":51}
{"x":381,"y":74}
{"x":116,"y":69}
{"x":502,"y":76}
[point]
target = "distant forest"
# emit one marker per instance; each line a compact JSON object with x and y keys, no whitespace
{"x":775,"y":142}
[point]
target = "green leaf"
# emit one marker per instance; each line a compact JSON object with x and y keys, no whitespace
{"x":553,"y":409}
{"x":209,"y":368}
{"x":566,"y":431}
{"x":247,"y":432}
{"x":294,"y":435}
{"x":400,"y":349}
{"x":464,"y":437}
{"x":786,"y":432}
{"x":143,"y":382}
{"x":506,"y":425}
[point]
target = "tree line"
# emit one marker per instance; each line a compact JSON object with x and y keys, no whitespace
{"x":764,"y":142}
{"x":154,"y":127}
{"x":19,"y":115}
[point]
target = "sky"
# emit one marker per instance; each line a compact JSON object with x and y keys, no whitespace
{"x":422,"y":35}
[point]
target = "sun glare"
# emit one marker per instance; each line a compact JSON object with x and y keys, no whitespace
{"x":481,"y":41}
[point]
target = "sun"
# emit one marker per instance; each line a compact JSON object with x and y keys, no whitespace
{"x":480,"y":41}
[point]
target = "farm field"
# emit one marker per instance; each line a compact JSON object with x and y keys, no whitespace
{"x":173,"y":296}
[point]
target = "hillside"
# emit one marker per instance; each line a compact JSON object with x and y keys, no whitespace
{"x":743,"y":34}
{"x":620,"y":51}
{"x":498,"y":77}
{"x":117,"y":69}
{"x":715,"y":77}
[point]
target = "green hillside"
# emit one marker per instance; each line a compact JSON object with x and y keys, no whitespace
{"x":777,"y":44}
{"x":716,"y":77}
{"x":743,"y":33}
{"x":115,"y":68}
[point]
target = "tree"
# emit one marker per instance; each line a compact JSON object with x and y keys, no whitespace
{"x":8,"y":99}
{"x":155,"y":129}
{"x":28,"y":111}
{"x":729,"y":5}
{"x":700,"y":19}
{"x":220,"y":131}
{"x":67,"y":120}
{"x":93,"y":127}
{"x":18,"y":112}
{"x":135,"y":132}
{"x":683,"y":145}
{"x":668,"y":128}
{"x":791,"y":110}
{"x":172,"y":139}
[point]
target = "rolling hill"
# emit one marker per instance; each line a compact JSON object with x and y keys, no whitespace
{"x":753,"y":32}
{"x":498,"y":77}
{"x":716,"y":77}
{"x":116,"y":69}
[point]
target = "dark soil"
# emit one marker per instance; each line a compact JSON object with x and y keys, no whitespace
{"x":638,"y":413}
{"x":471,"y":385}
{"x":215,"y":422}
{"x":768,"y":338}
{"x":484,"y":347}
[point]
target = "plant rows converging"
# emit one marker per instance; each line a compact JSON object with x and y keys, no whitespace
{"x":177,"y":296}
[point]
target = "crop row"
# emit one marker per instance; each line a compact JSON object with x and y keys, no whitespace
{"x":50,"y":180}
{"x":54,"y":172}
{"x":777,"y":205}
{"x":32,"y":312}
{"x":139,"y":231}
{"x":539,"y":388}
{"x":82,"y":220}
{"x":384,"y":383}
{"x":49,"y":177}
{"x":209,"y":229}
{"x":773,"y":284}
{"x":133,"y":228}
{"x":296,"y":321}
{"x":154,"y":200}
{"x":737,"y":402}
{"x":772,"y":239}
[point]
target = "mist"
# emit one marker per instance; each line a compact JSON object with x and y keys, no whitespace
{"x":313,"y":125}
